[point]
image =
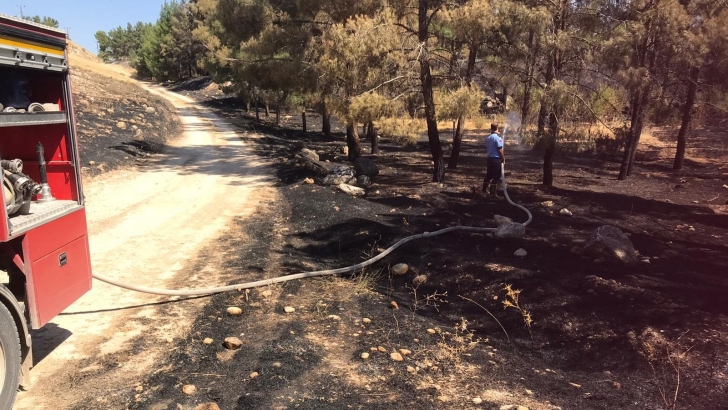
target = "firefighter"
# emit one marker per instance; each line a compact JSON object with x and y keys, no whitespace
{"x":495,"y":157}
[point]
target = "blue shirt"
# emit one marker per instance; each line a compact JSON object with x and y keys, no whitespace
{"x":492,"y":143}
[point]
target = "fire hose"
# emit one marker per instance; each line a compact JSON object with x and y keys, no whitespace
{"x":327,"y":272}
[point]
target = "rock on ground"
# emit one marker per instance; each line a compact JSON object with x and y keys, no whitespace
{"x":208,"y":406}
{"x":439,"y":203}
{"x":400,"y":269}
{"x":520,"y":253}
{"x":189,"y":389}
{"x":396,"y":357}
{"x":565,"y":212}
{"x":338,"y":180}
{"x":316,"y":166}
{"x":233,"y":343}
{"x":234,"y":311}
{"x":352,"y":190}
{"x":512,"y":230}
{"x":610,"y":243}
{"x":365,"y":166}
{"x":340,"y":174}
{"x":502,"y":220}
{"x":419,"y":280}
{"x":307,"y":153}
{"x":363,"y":181}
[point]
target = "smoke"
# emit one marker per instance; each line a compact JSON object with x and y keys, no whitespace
{"x":512,"y":129}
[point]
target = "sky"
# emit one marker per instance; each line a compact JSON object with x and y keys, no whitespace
{"x":83,"y":18}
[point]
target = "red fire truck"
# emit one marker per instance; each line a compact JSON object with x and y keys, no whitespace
{"x":44,"y":254}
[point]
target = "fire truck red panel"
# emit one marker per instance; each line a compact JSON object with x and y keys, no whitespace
{"x":59,"y":279}
{"x":57,"y":275}
{"x":48,"y":237}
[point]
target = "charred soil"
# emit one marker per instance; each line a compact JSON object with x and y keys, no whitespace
{"x":603,"y":335}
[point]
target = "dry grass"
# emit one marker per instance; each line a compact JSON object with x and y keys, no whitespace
{"x":511,"y":300}
{"x":666,"y":359}
{"x":406,"y":131}
{"x":456,"y":344}
{"x":82,"y":59}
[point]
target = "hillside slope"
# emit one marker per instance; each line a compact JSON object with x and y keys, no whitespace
{"x":119,"y":123}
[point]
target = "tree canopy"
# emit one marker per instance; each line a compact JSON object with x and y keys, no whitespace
{"x":45,"y":20}
{"x":559,"y":64}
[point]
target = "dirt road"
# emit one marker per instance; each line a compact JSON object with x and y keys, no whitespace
{"x":155,"y":226}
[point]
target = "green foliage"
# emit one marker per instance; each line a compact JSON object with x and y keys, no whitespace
{"x":121,"y":43}
{"x":165,"y":50}
{"x":606,"y":103}
{"x":45,"y":20}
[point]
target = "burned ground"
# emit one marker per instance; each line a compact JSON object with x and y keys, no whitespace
{"x":603,"y":335}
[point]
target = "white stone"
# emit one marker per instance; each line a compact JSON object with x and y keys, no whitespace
{"x":400,"y":269}
{"x":234,"y":311}
{"x":352,"y":190}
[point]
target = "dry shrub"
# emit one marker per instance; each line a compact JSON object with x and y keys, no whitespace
{"x":582,"y":137}
{"x":511,"y":300}
{"x":403,"y":131}
{"x":454,"y":345}
{"x":666,"y":359}
{"x":465,"y":102}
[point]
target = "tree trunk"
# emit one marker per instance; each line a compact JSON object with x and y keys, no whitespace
{"x":257,"y":110}
{"x":326,"y":119}
{"x":457,"y":141}
{"x":682,"y":136}
{"x":372,"y":134}
{"x":542,"y":115}
{"x":504,"y":99}
{"x":637,"y":118}
{"x":457,"y":137}
{"x":352,"y":140}
{"x":528,"y":84}
{"x":267,"y":110}
{"x":433,"y":135}
{"x":548,"y":157}
{"x":247,"y":106}
{"x":303,"y":120}
{"x":278,"y":114}
{"x":526,"y":107}
{"x":646,"y":59}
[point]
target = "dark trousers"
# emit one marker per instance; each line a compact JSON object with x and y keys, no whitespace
{"x":492,"y":173}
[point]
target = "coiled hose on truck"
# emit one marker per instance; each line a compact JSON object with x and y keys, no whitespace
{"x":327,"y":272}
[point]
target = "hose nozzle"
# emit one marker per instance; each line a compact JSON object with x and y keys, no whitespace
{"x":45,"y":189}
